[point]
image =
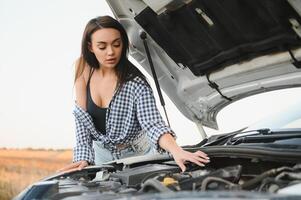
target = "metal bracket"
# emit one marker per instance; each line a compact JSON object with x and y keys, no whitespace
{"x":296,"y":26}
{"x":296,"y":63}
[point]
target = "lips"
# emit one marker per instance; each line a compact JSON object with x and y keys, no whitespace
{"x":111,"y":60}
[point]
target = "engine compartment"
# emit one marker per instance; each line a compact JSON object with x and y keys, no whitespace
{"x":221,"y":174}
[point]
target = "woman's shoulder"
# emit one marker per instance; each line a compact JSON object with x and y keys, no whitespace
{"x":138,"y":82}
{"x":138,"y":86}
{"x":80,"y":84}
{"x":82,"y":70}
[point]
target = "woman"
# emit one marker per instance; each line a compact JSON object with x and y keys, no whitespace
{"x":115,"y":112}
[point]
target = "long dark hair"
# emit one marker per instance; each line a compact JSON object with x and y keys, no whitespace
{"x":125,"y":69}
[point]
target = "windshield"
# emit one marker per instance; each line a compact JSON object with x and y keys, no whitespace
{"x":289,"y":118}
{"x":274,"y":110}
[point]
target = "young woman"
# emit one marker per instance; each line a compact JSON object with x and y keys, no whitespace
{"x":115,"y":112}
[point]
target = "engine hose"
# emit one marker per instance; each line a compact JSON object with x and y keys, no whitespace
{"x":154,"y":184}
{"x":209,"y":179}
{"x":253,"y":182}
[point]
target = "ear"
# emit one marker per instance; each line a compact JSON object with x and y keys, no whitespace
{"x":90,"y":47}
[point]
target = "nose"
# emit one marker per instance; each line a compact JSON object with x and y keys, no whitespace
{"x":110,"y":50}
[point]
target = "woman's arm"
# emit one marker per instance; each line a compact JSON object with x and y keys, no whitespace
{"x":167,"y":142}
{"x":161,"y":135}
{"x":80,"y":92}
{"x":80,"y":88}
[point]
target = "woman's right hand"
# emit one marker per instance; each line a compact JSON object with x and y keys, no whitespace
{"x":77,"y":166}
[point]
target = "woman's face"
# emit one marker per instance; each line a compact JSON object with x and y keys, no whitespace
{"x":106,"y":44}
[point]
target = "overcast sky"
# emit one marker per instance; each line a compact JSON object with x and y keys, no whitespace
{"x":39,"y":42}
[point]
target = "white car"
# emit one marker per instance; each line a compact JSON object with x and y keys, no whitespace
{"x":207,"y":54}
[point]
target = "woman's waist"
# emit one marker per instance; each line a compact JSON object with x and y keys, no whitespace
{"x":125,"y":142}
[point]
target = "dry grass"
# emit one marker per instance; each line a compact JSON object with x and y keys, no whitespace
{"x":20,"y":168}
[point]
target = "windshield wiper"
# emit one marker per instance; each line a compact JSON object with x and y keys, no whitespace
{"x":223,"y":138}
{"x":264,"y":135}
{"x":251,"y":136}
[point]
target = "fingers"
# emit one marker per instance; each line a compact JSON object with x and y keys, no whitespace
{"x":70,"y":166}
{"x":198,"y":157}
{"x":74,"y":167}
{"x":201,"y":159}
{"x":181,"y":165}
{"x":82,"y":165}
{"x":202,"y":154}
{"x":71,"y":170}
{"x":199,"y":163}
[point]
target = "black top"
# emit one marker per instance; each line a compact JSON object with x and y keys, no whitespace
{"x":97,"y":113}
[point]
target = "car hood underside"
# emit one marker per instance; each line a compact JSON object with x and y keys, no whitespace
{"x":208,"y":54}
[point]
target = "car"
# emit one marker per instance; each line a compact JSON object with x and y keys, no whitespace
{"x":206,"y":55}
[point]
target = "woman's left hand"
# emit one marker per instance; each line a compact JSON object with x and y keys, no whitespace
{"x":181,"y":157}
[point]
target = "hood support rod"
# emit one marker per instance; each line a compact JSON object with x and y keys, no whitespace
{"x":213,"y":85}
{"x":143,"y":37}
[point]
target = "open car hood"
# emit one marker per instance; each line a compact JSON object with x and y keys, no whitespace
{"x":208,"y":54}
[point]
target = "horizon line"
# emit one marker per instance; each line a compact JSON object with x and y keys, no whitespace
{"x":36,"y":149}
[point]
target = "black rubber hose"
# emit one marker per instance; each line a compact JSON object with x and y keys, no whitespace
{"x":154,"y":184}
{"x":253,"y":182}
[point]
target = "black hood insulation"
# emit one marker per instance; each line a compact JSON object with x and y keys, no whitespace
{"x":206,"y":35}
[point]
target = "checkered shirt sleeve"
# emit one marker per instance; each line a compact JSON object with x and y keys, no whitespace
{"x":83,"y":149}
{"x":150,"y":118}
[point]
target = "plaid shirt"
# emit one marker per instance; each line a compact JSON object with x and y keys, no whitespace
{"x":131,"y":110}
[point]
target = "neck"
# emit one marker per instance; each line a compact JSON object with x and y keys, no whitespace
{"x":105,"y":72}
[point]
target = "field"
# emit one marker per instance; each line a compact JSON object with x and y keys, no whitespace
{"x":21,"y":167}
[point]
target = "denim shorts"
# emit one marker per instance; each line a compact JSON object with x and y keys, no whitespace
{"x":140,"y":146}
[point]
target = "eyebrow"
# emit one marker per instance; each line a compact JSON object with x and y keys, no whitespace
{"x":102,"y":42}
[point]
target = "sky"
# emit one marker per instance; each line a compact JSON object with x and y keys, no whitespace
{"x":39,"y":42}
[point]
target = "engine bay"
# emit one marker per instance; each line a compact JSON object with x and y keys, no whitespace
{"x":221,"y":174}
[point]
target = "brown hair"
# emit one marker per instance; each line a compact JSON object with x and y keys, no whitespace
{"x":125,"y":69}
